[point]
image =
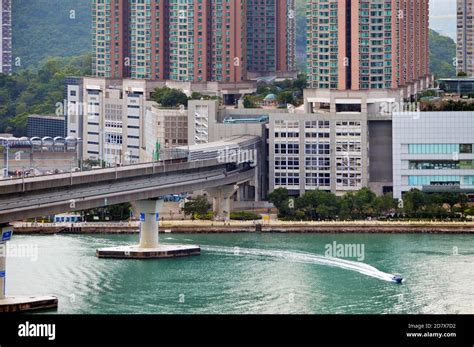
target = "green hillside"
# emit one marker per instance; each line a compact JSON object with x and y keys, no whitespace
{"x":44,"y":28}
{"x":442,"y":54}
{"x":36,"y":91}
{"x":300,"y":26}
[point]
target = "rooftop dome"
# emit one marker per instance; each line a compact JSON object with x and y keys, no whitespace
{"x":270,"y":97}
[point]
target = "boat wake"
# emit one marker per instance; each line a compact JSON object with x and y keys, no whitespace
{"x":307,"y":258}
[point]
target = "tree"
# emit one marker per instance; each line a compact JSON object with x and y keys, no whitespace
{"x":119,"y":211}
{"x":278,"y":197}
{"x":457,"y":202}
{"x":324,"y":212}
{"x":450,"y":199}
{"x":197,"y":207}
{"x":345,"y":207}
{"x":168,"y":97}
{"x":199,"y":96}
{"x":301,"y":82}
{"x":318,"y":204}
{"x":285,"y":84}
{"x":427,"y":93}
{"x":462,"y":74}
{"x":249,"y":102}
{"x":116,"y":212}
{"x":414,"y":201}
{"x":385,"y":204}
{"x":285,"y":98}
{"x":36,"y":91}
{"x":245,"y":215}
{"x":364,"y":202}
{"x":263,"y":88}
{"x":89,"y":163}
{"x":463,"y":204}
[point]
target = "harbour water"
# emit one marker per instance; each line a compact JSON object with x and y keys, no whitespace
{"x":251,"y":274}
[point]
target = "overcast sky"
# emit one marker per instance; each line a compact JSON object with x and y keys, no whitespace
{"x":443,"y":17}
{"x":443,"y":7}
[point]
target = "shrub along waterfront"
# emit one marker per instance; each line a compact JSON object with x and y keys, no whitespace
{"x":364,"y":204}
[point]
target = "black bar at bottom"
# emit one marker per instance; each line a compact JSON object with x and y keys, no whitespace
{"x":450,"y":330}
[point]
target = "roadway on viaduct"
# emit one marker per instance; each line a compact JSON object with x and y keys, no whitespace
{"x":47,"y":195}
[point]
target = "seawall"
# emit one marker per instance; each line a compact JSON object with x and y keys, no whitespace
{"x":200,"y":227}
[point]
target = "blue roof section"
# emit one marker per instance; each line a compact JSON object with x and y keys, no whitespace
{"x":457,"y":79}
{"x":266,"y":79}
{"x":260,"y":119}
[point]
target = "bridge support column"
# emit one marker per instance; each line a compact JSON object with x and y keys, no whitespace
{"x":17,"y":304}
{"x":149,"y":222}
{"x":149,"y":246}
{"x":3,"y":261}
{"x":221,"y":200}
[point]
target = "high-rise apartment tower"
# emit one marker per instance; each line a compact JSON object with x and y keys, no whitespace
{"x":5,"y":36}
{"x":271,"y":36}
{"x":170,"y":39}
{"x":465,"y":47}
{"x":367,"y":44}
{"x":193,"y":40}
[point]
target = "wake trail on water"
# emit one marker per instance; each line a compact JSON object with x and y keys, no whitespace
{"x":307,"y":258}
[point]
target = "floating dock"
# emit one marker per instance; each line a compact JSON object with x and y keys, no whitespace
{"x":28,"y":303}
{"x":137,"y":252}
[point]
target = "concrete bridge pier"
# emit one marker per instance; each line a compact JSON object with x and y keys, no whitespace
{"x":149,"y":222}
{"x":149,"y":246}
{"x":3,"y":261}
{"x":221,"y":200}
{"x":17,"y":304}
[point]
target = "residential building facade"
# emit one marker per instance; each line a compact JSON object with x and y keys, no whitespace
{"x":271,"y":38}
{"x":178,"y":40}
{"x":193,"y":41}
{"x":465,"y":36}
{"x":6,"y":36}
{"x":364,"y":45}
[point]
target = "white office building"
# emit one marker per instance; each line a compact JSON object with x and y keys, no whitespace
{"x":315,"y":151}
{"x":433,"y":151}
{"x":109,"y":115}
{"x":113,"y":116}
{"x":165,"y":129}
{"x":306,"y":151}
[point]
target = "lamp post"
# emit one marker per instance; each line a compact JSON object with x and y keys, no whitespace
{"x":115,"y":162}
{"x":23,"y":178}
{"x":7,"y":162}
{"x":78,"y":153}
